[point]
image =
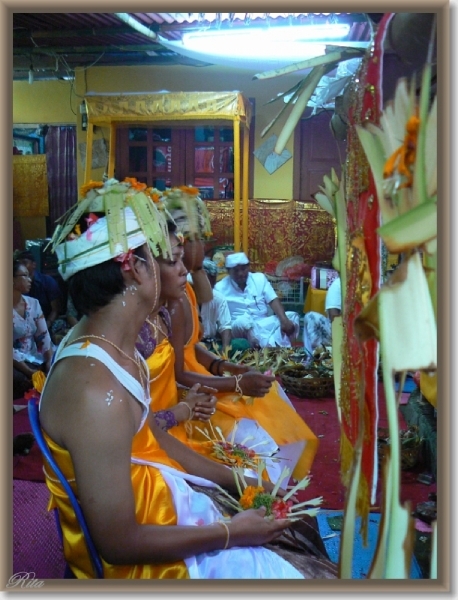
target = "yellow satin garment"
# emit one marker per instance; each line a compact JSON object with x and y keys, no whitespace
{"x":153,"y":505}
{"x":272,"y":413}
{"x":164,"y":393}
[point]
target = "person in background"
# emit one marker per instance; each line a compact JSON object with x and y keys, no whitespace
{"x":192,"y":219}
{"x":215,"y":315}
{"x":251,"y":300}
{"x":72,"y":314}
{"x":243,"y":394}
{"x":32,"y":346}
{"x":317,"y":327}
{"x":45,"y":289}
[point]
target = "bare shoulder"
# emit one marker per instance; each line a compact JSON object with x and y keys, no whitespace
{"x":176,"y":310}
{"x":82,"y":393}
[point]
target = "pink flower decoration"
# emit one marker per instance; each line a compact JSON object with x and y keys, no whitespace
{"x":91,"y":219}
{"x":200,"y":522}
{"x":124,"y":260}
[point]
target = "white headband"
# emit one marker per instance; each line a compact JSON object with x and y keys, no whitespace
{"x":93,"y":246}
{"x":238,"y":258}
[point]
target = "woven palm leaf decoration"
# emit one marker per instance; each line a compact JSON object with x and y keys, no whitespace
{"x":110,"y":198}
{"x":152,"y":222}
{"x":189,"y":212}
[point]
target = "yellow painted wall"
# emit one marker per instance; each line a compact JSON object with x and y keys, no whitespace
{"x":55,"y":102}
{"x":46,"y":102}
{"x":43,"y":102}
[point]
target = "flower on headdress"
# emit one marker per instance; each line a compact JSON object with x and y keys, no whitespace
{"x":180,"y":237}
{"x":124,"y":259}
{"x":187,"y":189}
{"x":84,"y":189}
{"x":91,"y":219}
{"x":154,"y":194}
{"x":137,"y":185}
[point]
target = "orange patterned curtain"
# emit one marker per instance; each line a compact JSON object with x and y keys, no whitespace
{"x":30,"y":186}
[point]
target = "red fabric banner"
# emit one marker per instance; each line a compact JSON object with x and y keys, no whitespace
{"x":358,"y":395}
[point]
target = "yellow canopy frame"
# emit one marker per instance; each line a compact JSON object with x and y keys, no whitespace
{"x":178,"y":109}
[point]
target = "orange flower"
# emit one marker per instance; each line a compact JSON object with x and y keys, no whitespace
{"x":137,"y":185}
{"x":403,"y":159}
{"x":248,"y":496}
{"x":84,"y":189}
{"x":192,"y":191}
{"x":155,"y":197}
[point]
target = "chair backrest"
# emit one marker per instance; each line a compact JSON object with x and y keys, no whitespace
{"x":44,"y":448}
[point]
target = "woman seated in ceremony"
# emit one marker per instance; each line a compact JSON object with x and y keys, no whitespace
{"x":145,"y":496}
{"x":154,"y":345}
{"x":32,"y":345}
{"x":242,"y":393}
{"x":181,"y":412}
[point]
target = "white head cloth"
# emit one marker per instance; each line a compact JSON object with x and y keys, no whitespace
{"x":93,"y":246}
{"x":237,"y":258}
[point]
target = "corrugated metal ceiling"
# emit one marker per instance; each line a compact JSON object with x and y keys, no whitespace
{"x":56,"y":43}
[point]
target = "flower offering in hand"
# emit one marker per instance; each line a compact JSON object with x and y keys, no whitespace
{"x":276,"y":508}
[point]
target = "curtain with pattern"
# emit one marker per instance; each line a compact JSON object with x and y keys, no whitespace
{"x":60,"y":148}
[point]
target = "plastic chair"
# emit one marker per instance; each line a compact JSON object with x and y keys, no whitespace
{"x":44,"y":448}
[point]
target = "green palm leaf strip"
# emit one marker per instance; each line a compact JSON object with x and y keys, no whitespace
{"x":114,"y":211}
{"x":152,"y":222}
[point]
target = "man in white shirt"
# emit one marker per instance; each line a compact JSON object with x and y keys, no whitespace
{"x":215,"y":315}
{"x":333,"y":302}
{"x":256,"y":311}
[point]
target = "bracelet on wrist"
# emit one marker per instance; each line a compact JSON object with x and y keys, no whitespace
{"x":183,"y":393}
{"x":165,"y":419}
{"x":238,"y":389}
{"x":212,"y":364}
{"x":191,"y":412}
{"x":214,"y":367}
{"x":218,"y":368}
{"x":228,"y":534}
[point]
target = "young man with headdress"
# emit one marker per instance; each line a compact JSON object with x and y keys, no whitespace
{"x":132,"y":479}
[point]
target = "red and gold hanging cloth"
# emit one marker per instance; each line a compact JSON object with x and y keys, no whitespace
{"x":358,"y":394}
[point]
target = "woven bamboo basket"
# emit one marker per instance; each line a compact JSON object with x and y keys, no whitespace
{"x":410,"y":446}
{"x":295,"y":382}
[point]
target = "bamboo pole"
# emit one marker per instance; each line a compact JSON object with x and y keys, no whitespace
{"x":245,"y":175}
{"x":88,"y":165}
{"x":236,"y":185}
{"x":112,"y":151}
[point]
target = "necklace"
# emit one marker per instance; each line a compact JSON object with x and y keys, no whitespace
{"x":156,"y":326}
{"x":135,"y":360}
